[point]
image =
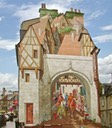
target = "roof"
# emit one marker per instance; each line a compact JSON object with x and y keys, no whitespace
{"x":85,"y":31}
{"x":40,"y":28}
{"x":70,"y":45}
{"x":73,"y":22}
{"x":58,"y":19}
{"x":79,"y":19}
{"x":27,"y":23}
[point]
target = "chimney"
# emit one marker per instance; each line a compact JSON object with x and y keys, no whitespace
{"x":71,"y":9}
{"x":43,"y":6}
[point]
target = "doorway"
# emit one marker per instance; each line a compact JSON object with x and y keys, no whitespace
{"x":29,"y":113}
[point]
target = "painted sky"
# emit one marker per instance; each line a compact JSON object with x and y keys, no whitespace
{"x":98,"y":21}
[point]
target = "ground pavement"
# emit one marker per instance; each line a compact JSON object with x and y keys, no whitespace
{"x":76,"y":121}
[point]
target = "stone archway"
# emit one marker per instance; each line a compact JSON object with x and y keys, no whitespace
{"x":84,"y":83}
{"x":57,"y":66}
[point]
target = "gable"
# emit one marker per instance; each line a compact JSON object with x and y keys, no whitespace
{"x":87,"y":45}
{"x":28,"y":46}
{"x":30,"y":37}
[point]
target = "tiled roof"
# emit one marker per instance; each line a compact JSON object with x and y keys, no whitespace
{"x":72,"y":22}
{"x":79,"y":19}
{"x":27,"y":23}
{"x":39,"y":28}
{"x":57,"y":19}
{"x":70,"y":45}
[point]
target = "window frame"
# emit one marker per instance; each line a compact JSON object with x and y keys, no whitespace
{"x":35,"y":53}
{"x":27,"y":77}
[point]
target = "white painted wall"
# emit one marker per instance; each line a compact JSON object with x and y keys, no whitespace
{"x":82,"y":67}
{"x":40,"y":94}
{"x":29,"y":93}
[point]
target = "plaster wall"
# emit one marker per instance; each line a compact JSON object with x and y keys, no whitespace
{"x":82,"y":67}
{"x":29,"y":93}
{"x":38,"y":92}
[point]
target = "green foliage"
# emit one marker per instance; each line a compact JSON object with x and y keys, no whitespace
{"x":71,"y":15}
{"x":66,"y":30}
{"x":52,"y":12}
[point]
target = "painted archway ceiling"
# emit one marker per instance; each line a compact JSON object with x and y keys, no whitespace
{"x":69,"y":79}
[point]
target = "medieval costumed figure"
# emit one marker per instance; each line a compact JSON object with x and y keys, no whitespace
{"x":59,"y":108}
{"x":73,"y":107}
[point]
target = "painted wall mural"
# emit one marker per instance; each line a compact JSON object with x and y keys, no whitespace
{"x":69,"y":98}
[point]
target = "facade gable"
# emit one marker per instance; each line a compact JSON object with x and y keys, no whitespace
{"x":28,"y":45}
{"x":86,"y":44}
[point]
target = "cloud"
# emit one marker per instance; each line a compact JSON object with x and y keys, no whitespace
{"x":108,"y":27}
{"x":4,"y":4}
{"x":103,"y":38}
{"x":95,"y":15}
{"x":105,"y":78}
{"x":8,"y":44}
{"x":1,"y":18}
{"x":9,"y":81}
{"x":26,"y":12}
{"x":105,"y":68}
{"x":30,"y":11}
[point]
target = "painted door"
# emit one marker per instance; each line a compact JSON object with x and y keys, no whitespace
{"x":29,"y":113}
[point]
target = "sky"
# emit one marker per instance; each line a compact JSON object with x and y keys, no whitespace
{"x":98,"y":21}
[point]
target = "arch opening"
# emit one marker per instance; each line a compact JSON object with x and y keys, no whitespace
{"x":70,"y":95}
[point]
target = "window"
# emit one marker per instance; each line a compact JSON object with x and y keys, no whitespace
{"x":35,"y":53}
{"x":27,"y":77}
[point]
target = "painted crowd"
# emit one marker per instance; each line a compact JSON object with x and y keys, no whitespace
{"x":69,"y":104}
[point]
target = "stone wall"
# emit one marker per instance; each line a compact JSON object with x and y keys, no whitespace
{"x":28,"y":93}
{"x":57,"y":65}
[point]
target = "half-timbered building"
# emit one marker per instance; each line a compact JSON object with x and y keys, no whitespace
{"x":57,"y":65}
